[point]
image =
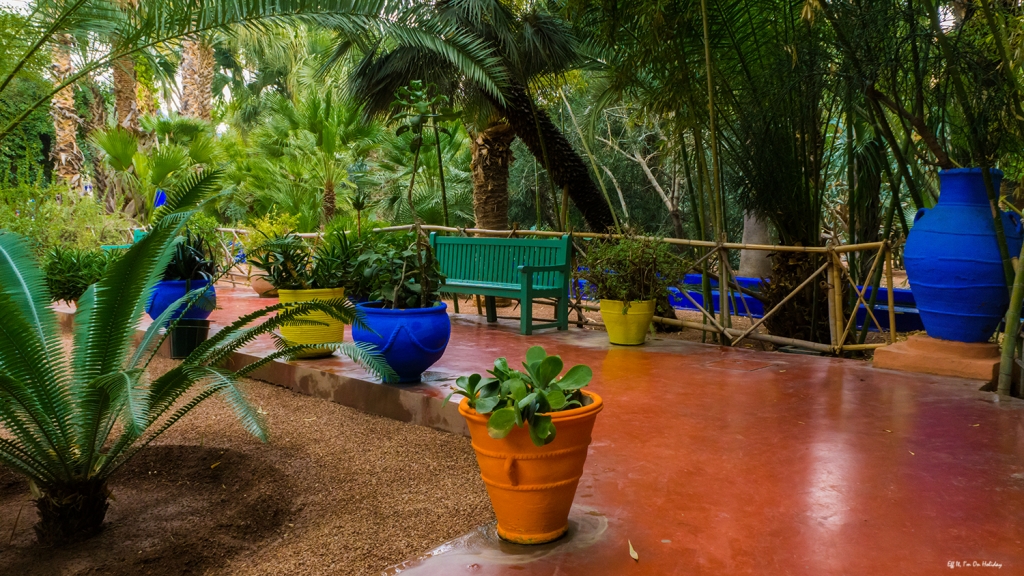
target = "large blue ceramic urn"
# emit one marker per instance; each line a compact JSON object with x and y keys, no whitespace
{"x":953,"y":261}
{"x":167,"y":292}
{"x":410,"y":339}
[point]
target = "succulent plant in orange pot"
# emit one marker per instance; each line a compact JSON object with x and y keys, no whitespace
{"x":530,"y":430}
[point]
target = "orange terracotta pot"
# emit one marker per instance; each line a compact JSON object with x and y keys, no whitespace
{"x":532,"y":488}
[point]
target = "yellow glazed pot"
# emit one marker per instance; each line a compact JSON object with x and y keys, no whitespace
{"x":627,"y":326}
{"x":334,"y":331}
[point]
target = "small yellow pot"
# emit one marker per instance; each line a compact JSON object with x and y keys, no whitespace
{"x":334,"y":331}
{"x":627,"y":326}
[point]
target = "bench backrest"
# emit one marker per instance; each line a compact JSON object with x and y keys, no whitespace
{"x":498,"y":259}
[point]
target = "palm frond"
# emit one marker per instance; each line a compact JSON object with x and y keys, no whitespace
{"x":225,"y":383}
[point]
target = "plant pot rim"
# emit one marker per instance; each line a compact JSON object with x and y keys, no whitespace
{"x":377,"y":307}
{"x":595,"y":406}
{"x":974,"y":170}
{"x":183,"y":282}
{"x":192,"y":323}
{"x":609,"y":300}
{"x":311,"y":290}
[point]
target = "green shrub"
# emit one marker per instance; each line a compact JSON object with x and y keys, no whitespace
{"x":395,"y":275}
{"x":272,"y":224}
{"x":73,"y":416}
{"x":76,"y":223}
{"x":191,"y":259}
{"x":70,"y":271}
{"x":631,"y":269}
{"x":292,"y":263}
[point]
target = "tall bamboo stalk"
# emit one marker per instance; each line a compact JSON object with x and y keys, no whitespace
{"x":1005,"y":383}
{"x":876,"y":280}
{"x":961,"y":93}
{"x":440,"y":170}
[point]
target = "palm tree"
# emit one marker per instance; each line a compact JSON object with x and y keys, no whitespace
{"x":531,"y":45}
{"x":491,"y":152}
{"x":312,"y":139}
{"x":126,"y":106}
{"x":75,"y":416}
{"x":132,"y":28}
{"x":185,"y":146}
{"x":67,"y":157}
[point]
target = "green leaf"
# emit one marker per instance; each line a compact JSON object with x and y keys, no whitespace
{"x":527,"y":401}
{"x":449,"y":397}
{"x":577,"y":377}
{"x":501,"y":423}
{"x":535,"y":354}
{"x":548,"y":370}
{"x":556,"y":399}
{"x":486,"y":405}
{"x":501,"y":368}
{"x":468,"y":383}
{"x":517,"y":389}
{"x":488,"y":387}
{"x":542,"y":430}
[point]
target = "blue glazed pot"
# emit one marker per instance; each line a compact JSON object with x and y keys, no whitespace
{"x":953,"y":261}
{"x":411,"y":340}
{"x":167,"y":291}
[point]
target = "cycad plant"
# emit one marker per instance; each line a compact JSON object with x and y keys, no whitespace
{"x":71,"y":418}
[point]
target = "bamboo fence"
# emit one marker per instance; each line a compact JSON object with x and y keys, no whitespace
{"x":837,"y":281}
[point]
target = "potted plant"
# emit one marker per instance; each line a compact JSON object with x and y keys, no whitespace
{"x":405,"y":319}
{"x":531,"y":473}
{"x":190,"y":271}
{"x":628,"y":275}
{"x":303,"y":273}
{"x":270,"y":225}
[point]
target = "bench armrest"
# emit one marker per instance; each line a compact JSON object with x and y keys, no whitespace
{"x":527,"y":272}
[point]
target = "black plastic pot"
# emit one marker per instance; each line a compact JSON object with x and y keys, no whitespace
{"x":187,"y":335}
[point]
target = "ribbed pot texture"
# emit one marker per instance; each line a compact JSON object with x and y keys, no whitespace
{"x":953,"y":260}
{"x":334,"y":331}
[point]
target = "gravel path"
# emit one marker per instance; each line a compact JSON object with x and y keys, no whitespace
{"x":335,"y":491}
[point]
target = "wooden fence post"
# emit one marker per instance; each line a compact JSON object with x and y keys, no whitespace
{"x":830,"y":279}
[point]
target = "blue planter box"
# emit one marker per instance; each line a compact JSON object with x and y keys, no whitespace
{"x":908,"y":319}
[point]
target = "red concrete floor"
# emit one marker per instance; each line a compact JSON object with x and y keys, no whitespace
{"x":720,"y":461}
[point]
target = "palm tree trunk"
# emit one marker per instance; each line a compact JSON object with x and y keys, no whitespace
{"x":567,"y":169}
{"x":66,"y":155}
{"x":145,"y":100}
{"x":491,"y":157}
{"x":125,"y":104}
{"x":197,"y":71}
{"x":71,"y":513}
{"x":330,"y":201}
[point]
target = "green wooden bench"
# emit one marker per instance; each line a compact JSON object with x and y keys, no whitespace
{"x":508,"y":268}
{"x":137,"y":234}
